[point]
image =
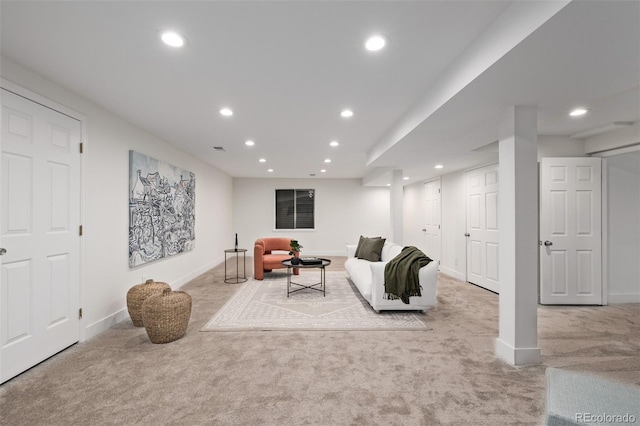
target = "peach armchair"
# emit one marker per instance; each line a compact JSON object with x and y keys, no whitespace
{"x":263,"y":258}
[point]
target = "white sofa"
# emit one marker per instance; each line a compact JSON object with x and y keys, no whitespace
{"x":368,"y":277}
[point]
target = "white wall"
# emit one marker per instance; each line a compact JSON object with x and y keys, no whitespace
{"x":106,"y":273}
{"x":453,"y":212}
{"x":623,"y":188}
{"x":623,"y":263}
{"x":624,"y":217}
{"x":623,"y":137}
{"x":344,"y":210}
{"x":560,"y":146}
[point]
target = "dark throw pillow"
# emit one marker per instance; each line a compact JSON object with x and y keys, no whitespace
{"x":360,"y":243}
{"x":370,"y":248}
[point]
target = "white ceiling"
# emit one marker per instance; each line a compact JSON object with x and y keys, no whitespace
{"x":434,"y":95}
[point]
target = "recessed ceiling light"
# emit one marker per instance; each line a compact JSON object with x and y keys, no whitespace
{"x":388,"y":184}
{"x":375,"y":43}
{"x":439,"y":166}
{"x":270,"y":170}
{"x":249,"y":143}
{"x":406,"y":178}
{"x":262,"y":160}
{"x":328,"y":160}
{"x":227,"y":112}
{"x":578,"y":112}
{"x":323,"y":171}
{"x":346,"y":113}
{"x":173,"y":39}
{"x":334,"y":143}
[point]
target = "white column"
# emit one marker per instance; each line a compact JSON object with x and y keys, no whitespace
{"x":518,"y":222}
{"x":396,"y":206}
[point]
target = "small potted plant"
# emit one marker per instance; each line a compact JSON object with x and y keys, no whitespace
{"x":295,"y":250}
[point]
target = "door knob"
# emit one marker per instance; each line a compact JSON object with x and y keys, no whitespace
{"x":548,"y":243}
{"x":466,"y":234}
{"x":424,"y":229}
{"x":3,"y":251}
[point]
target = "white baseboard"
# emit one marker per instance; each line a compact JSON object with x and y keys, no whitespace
{"x":177,"y":284}
{"x":451,"y":272}
{"x":319,"y":253}
{"x":104,"y":324}
{"x":623,"y":298}
{"x":516,"y":356}
{"x":109,"y":321}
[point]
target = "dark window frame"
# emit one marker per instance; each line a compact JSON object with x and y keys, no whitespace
{"x":295,"y":209}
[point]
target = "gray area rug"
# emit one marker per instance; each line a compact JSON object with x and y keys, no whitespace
{"x":264,"y":305}
{"x":575,"y":398}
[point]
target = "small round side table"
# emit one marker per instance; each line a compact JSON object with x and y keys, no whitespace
{"x":237,"y":278}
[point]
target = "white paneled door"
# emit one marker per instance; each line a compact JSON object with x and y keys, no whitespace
{"x":40,"y":218}
{"x":482,"y":227}
{"x":432,"y":220}
{"x":570,"y":231}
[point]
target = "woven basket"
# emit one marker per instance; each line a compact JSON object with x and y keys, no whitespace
{"x":137,"y":295}
{"x":166,"y":315}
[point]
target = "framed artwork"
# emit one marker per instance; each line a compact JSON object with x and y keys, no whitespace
{"x":161,"y":209}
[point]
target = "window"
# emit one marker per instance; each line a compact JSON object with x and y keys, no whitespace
{"x":295,"y":208}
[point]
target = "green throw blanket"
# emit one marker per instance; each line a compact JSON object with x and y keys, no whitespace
{"x":401,"y":274}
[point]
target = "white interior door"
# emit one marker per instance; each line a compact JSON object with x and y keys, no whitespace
{"x":570,"y":231}
{"x":482,"y":227}
{"x":40,"y":218}
{"x":431,"y":229}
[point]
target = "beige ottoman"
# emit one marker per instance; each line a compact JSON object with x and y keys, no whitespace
{"x":138,"y":294}
{"x":166,"y":315}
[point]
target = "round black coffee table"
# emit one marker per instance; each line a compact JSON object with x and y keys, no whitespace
{"x":319,"y":263}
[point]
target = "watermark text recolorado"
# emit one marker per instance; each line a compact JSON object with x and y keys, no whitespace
{"x":605,"y":418}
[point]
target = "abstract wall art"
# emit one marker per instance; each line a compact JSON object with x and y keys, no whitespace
{"x":161,"y":209}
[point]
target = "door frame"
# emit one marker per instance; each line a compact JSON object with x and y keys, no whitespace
{"x":605,"y":212}
{"x":603,"y":225}
{"x":48,"y":103}
{"x":604,"y":231}
{"x":466,"y":225}
{"x":439,"y":180}
{"x":466,"y":216}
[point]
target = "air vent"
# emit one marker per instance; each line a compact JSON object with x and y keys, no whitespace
{"x":219,"y":148}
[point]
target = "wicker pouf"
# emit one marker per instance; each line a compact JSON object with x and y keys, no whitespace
{"x":166,"y":315}
{"x":137,"y":295}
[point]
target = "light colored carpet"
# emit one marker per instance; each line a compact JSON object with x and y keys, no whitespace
{"x":447,"y":376}
{"x":264,"y":305}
